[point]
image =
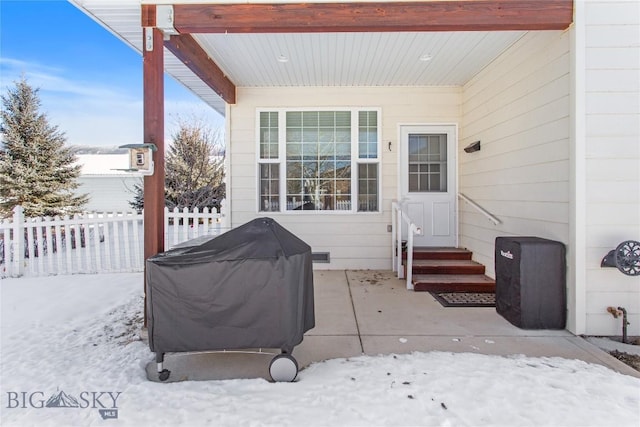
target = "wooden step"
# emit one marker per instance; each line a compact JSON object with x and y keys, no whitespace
{"x":447,"y":266}
{"x":453,"y":282}
{"x":439,"y":253}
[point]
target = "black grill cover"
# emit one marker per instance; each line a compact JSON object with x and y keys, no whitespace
{"x":251,"y":287}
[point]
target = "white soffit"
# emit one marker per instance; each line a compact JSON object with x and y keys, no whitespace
{"x":355,"y":59}
{"x":319,"y":59}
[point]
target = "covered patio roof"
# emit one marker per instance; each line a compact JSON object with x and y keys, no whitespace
{"x":214,"y":47}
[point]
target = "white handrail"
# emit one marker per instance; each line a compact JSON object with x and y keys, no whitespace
{"x":480,"y":209}
{"x":398,"y":216}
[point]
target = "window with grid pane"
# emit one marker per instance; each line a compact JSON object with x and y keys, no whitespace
{"x":318,"y":160}
{"x":269,"y":169}
{"x":321,"y":161}
{"x":368,"y":134}
{"x":269,"y":135}
{"x":367,"y":152}
{"x":367,"y":187}
{"x":269,"y":187}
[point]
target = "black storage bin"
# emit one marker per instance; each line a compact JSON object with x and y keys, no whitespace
{"x":531,"y":282}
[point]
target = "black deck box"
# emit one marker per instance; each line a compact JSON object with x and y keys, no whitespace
{"x":531,"y":282}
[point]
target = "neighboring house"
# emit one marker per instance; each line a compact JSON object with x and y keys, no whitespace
{"x":333,"y":110}
{"x":109,"y":189}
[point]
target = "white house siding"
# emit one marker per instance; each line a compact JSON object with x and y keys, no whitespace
{"x":518,"y":107}
{"x":109,"y":188}
{"x":357,"y":241}
{"x":110,"y":193}
{"x":612,"y":157}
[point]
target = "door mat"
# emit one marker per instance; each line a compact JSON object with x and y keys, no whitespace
{"x":465,"y":299}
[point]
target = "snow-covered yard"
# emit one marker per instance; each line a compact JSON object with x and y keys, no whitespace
{"x":73,"y":341}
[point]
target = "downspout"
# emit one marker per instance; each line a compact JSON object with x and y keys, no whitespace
{"x":577,"y":292}
{"x":227,"y":219}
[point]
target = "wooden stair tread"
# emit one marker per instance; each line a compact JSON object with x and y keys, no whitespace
{"x":438,"y":249}
{"x":452,"y":283}
{"x":452,"y":278}
{"x":448,"y":266}
{"x":445,"y":269}
{"x":439,"y":253}
{"x":444,"y":262}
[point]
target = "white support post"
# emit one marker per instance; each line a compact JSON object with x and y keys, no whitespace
{"x":31,"y":244}
{"x":224,"y":218}
{"x":205,"y":221}
{"x":58,"y":244}
{"x":167,"y":244}
{"x":78,"y":239}
{"x":67,"y":244}
{"x":410,"y":258}
{"x":394,"y":248}
{"x":176,"y":226}
{"x":116,"y":240}
{"x":185,"y":224}
{"x":131,"y":222}
{"x":399,"y":243}
{"x":18,"y":242}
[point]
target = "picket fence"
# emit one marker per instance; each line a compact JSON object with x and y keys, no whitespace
{"x":92,"y":242}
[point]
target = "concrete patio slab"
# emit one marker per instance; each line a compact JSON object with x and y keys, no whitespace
{"x":213,"y":366}
{"x":316,"y":348}
{"x":371,"y":312}
{"x":333,"y":306}
{"x":383,"y":306}
{"x":394,"y":320}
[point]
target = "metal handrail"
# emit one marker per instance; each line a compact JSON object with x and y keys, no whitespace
{"x":398,"y":216}
{"x":480,"y":209}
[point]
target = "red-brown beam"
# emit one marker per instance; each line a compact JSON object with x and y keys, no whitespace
{"x":153,"y":132}
{"x":467,"y":15}
{"x":186,"y":49}
{"x":148,"y":15}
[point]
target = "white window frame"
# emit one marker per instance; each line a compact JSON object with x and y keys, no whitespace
{"x":355,"y":160}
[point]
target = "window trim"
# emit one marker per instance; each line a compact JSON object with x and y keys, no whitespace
{"x":355,"y":160}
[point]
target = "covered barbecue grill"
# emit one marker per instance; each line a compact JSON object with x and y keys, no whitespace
{"x":251,"y":287}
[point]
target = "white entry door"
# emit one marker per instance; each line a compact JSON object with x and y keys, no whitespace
{"x":428,"y":182}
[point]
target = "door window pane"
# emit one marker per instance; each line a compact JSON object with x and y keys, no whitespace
{"x":427,"y":167}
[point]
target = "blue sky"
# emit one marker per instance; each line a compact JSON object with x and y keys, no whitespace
{"x":90,"y":82}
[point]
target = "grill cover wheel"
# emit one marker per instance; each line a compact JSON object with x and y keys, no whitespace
{"x":283,"y":368}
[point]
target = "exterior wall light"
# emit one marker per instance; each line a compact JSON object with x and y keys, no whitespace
{"x":474,"y":146}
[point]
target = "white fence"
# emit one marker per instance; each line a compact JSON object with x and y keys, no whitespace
{"x":91,"y":243}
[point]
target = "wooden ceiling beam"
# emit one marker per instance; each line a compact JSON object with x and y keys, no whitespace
{"x":187,"y":50}
{"x":464,"y":15}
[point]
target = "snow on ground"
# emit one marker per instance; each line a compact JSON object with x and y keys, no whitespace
{"x":74,"y":338}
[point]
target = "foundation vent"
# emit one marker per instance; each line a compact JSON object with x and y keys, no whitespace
{"x":323,"y":257}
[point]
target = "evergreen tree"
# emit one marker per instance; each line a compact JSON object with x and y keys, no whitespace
{"x":138,"y":196}
{"x":36,"y":170}
{"x":194,"y":170}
